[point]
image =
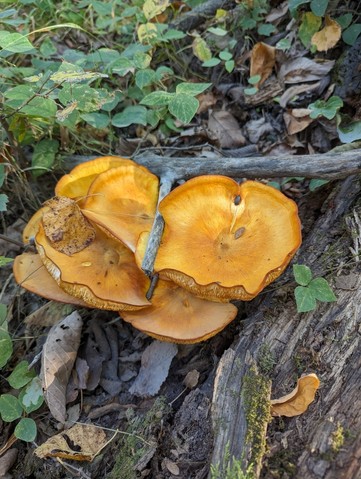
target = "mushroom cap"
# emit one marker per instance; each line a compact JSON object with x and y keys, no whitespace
{"x":226,"y":241}
{"x":31,"y":274}
{"x":76,"y":183}
{"x":32,"y":226}
{"x":177,"y":315}
{"x":104,"y":274}
{"x":123,"y":201}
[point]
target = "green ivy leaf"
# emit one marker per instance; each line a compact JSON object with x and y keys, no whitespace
{"x":26,"y":429}
{"x":183,"y":107}
{"x":193,"y":89}
{"x":212,"y":62}
{"x":40,"y":107}
{"x":350,"y":35}
{"x":96,"y":119}
{"x":328,"y":108}
{"x":321,"y":290}
{"x":229,"y":66}
{"x":305,"y":299}
{"x":31,"y":397}
{"x":349,"y":133}
{"x":157,"y":98}
{"x":4,"y":199}
{"x":6,"y":347}
{"x":14,"y":42}
{"x":225,"y":55}
{"x":316,"y":183}
{"x":144,"y":77}
{"x":302,"y":274}
{"x":21,"y":375}
{"x":309,"y":26}
{"x":10,"y":408}
{"x":319,"y":7}
{"x":266,"y":29}
{"x":131,"y":115}
{"x":344,"y":20}
{"x":44,"y":156}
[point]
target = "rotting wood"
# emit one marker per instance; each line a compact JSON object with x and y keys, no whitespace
{"x":329,"y":166}
{"x":325,"y":442}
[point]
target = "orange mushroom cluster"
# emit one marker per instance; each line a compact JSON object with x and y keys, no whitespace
{"x":221,"y":241}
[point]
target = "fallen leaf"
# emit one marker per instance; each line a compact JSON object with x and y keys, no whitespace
{"x":255,"y":129}
{"x":226,"y":128}
{"x":328,"y":37}
{"x":48,"y":314}
{"x":303,"y":69}
{"x":82,"y":442}
{"x":156,"y":360}
{"x":297,"y":120}
{"x":59,"y":354}
{"x":295,"y":90}
{"x":66,"y":227}
{"x":263,"y":59}
{"x":171,"y":466}
{"x":299,"y":399}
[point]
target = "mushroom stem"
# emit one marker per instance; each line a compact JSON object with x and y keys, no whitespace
{"x":166,"y":183}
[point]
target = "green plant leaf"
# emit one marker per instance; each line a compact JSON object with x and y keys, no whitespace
{"x":10,"y":408}
{"x":316,"y":183}
{"x":266,"y":29}
{"x":193,"y":89}
{"x":31,"y":397}
{"x":294,"y":4}
{"x":319,"y":7}
{"x":309,"y":26}
{"x":2,"y":175}
{"x":3,"y":260}
{"x":144,"y":77}
{"x":173,"y":34}
{"x":344,"y":20}
{"x":349,"y":133}
{"x":212,"y":62}
{"x":183,"y":107}
{"x":6,"y":347}
{"x":250,"y":91}
{"x":75,"y":77}
{"x":14,"y":42}
{"x":4,"y":199}
{"x":157,"y":98}
{"x":225,"y":55}
{"x":3,"y":313}
{"x":21,"y":375}
{"x":40,"y":107}
{"x":141,"y":60}
{"x":253,"y":80}
{"x":131,"y":115}
{"x":283,"y":44}
{"x":201,"y":50}
{"x":123,"y":66}
{"x":44,"y":156}
{"x":229,"y":66}
{"x":350,"y":35}
{"x":220,"y":32}
{"x":305,"y":299}
{"x":302,"y":274}
{"x":328,"y":108}
{"x":96,"y":119}
{"x":321,"y":290}
{"x":26,"y":429}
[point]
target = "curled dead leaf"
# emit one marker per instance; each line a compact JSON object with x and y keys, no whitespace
{"x":66,"y":227}
{"x":226,"y":128}
{"x":81,"y":442}
{"x":263,"y":59}
{"x":299,"y":399}
{"x":297,"y":120}
{"x":328,"y":37}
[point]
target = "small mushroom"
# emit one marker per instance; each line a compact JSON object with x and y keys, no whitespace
{"x":123,"y":201}
{"x":178,"y":316}
{"x":226,"y":241}
{"x":103,"y":274}
{"x":31,"y":274}
{"x":76,"y":183}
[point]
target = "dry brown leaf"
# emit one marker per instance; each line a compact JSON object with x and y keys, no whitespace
{"x":299,"y":399}
{"x":7,"y":461}
{"x":263,"y":59}
{"x":66,"y":227}
{"x":171,"y":466}
{"x":295,"y":90}
{"x":155,"y":364}
{"x":328,"y":37}
{"x":82,"y":442}
{"x":297,"y":120}
{"x":48,"y":315}
{"x":226,"y":128}
{"x":303,"y":69}
{"x":59,"y":354}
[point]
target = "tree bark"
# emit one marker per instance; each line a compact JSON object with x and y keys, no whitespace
{"x":324,"y":442}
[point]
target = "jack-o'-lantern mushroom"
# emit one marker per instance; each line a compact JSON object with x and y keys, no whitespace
{"x":103,"y":274}
{"x":226,"y":241}
{"x":31,"y":274}
{"x":177,"y":315}
{"x":76,"y":183}
{"x":123,"y":201}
